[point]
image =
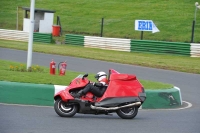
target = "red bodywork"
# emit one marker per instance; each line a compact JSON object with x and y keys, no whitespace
{"x":120,"y":85}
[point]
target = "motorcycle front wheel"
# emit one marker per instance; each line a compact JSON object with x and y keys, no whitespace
{"x":127,"y":113}
{"x":65,"y":109}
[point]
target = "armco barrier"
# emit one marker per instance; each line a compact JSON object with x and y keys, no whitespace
{"x":74,"y":39}
{"x":195,"y":50}
{"x":130,"y":45}
{"x":15,"y":35}
{"x":117,"y":44}
{"x":41,"y":94}
{"x":42,"y":37}
{"x":160,"y":47}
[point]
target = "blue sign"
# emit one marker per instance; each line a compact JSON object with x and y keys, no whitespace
{"x":145,"y":25}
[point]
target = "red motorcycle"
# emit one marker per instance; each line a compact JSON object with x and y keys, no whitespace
{"x":124,"y":95}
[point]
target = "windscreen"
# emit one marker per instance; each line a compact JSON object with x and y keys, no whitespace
{"x":79,"y":76}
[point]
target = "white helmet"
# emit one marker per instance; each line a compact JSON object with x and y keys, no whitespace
{"x":100,"y":75}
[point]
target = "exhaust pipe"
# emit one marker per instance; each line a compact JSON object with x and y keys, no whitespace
{"x":115,"y":108}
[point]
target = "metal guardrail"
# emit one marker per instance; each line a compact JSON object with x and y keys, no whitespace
{"x":128,"y":45}
{"x":14,"y":35}
{"x":117,"y":44}
{"x":195,"y":50}
{"x":17,"y":35}
{"x":107,"y":43}
{"x":74,"y":39}
{"x":160,"y":47}
{"x":42,"y":37}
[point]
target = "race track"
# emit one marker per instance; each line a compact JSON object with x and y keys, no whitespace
{"x":30,"y":119}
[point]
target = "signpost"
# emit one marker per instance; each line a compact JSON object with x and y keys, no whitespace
{"x":197,"y":6}
{"x":30,"y":41}
{"x":145,"y":25}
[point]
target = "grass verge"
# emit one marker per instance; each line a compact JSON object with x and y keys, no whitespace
{"x":9,"y":73}
{"x":172,"y":17}
{"x":163,"y":61}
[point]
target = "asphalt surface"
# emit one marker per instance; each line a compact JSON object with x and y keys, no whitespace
{"x":20,"y":119}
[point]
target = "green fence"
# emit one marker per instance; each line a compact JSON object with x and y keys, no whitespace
{"x":74,"y":39}
{"x":160,"y":47}
{"x":42,"y":37}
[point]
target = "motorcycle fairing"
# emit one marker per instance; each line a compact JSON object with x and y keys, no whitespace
{"x":122,"y":85}
{"x":115,"y":101}
{"x":64,"y":94}
{"x":78,"y":83}
{"x":88,"y":97}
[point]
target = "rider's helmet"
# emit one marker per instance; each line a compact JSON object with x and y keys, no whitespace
{"x":100,"y":75}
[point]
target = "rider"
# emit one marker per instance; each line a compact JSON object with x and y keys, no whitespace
{"x":97,"y":89}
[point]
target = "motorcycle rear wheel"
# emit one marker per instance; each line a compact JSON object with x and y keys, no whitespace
{"x":127,"y":113}
{"x":65,"y":109}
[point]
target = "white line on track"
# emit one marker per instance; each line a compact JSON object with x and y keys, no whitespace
{"x":26,"y":105}
{"x":189,"y":105}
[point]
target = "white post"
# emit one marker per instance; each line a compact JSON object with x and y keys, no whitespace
{"x":17,"y":18}
{"x":31,"y":28}
{"x":195,"y":12}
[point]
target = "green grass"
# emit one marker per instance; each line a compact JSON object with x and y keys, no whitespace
{"x":172,"y":17}
{"x":44,"y":77}
{"x":169,"y":62}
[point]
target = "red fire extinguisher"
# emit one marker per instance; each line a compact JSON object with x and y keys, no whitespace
{"x":52,"y":67}
{"x":62,"y":68}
